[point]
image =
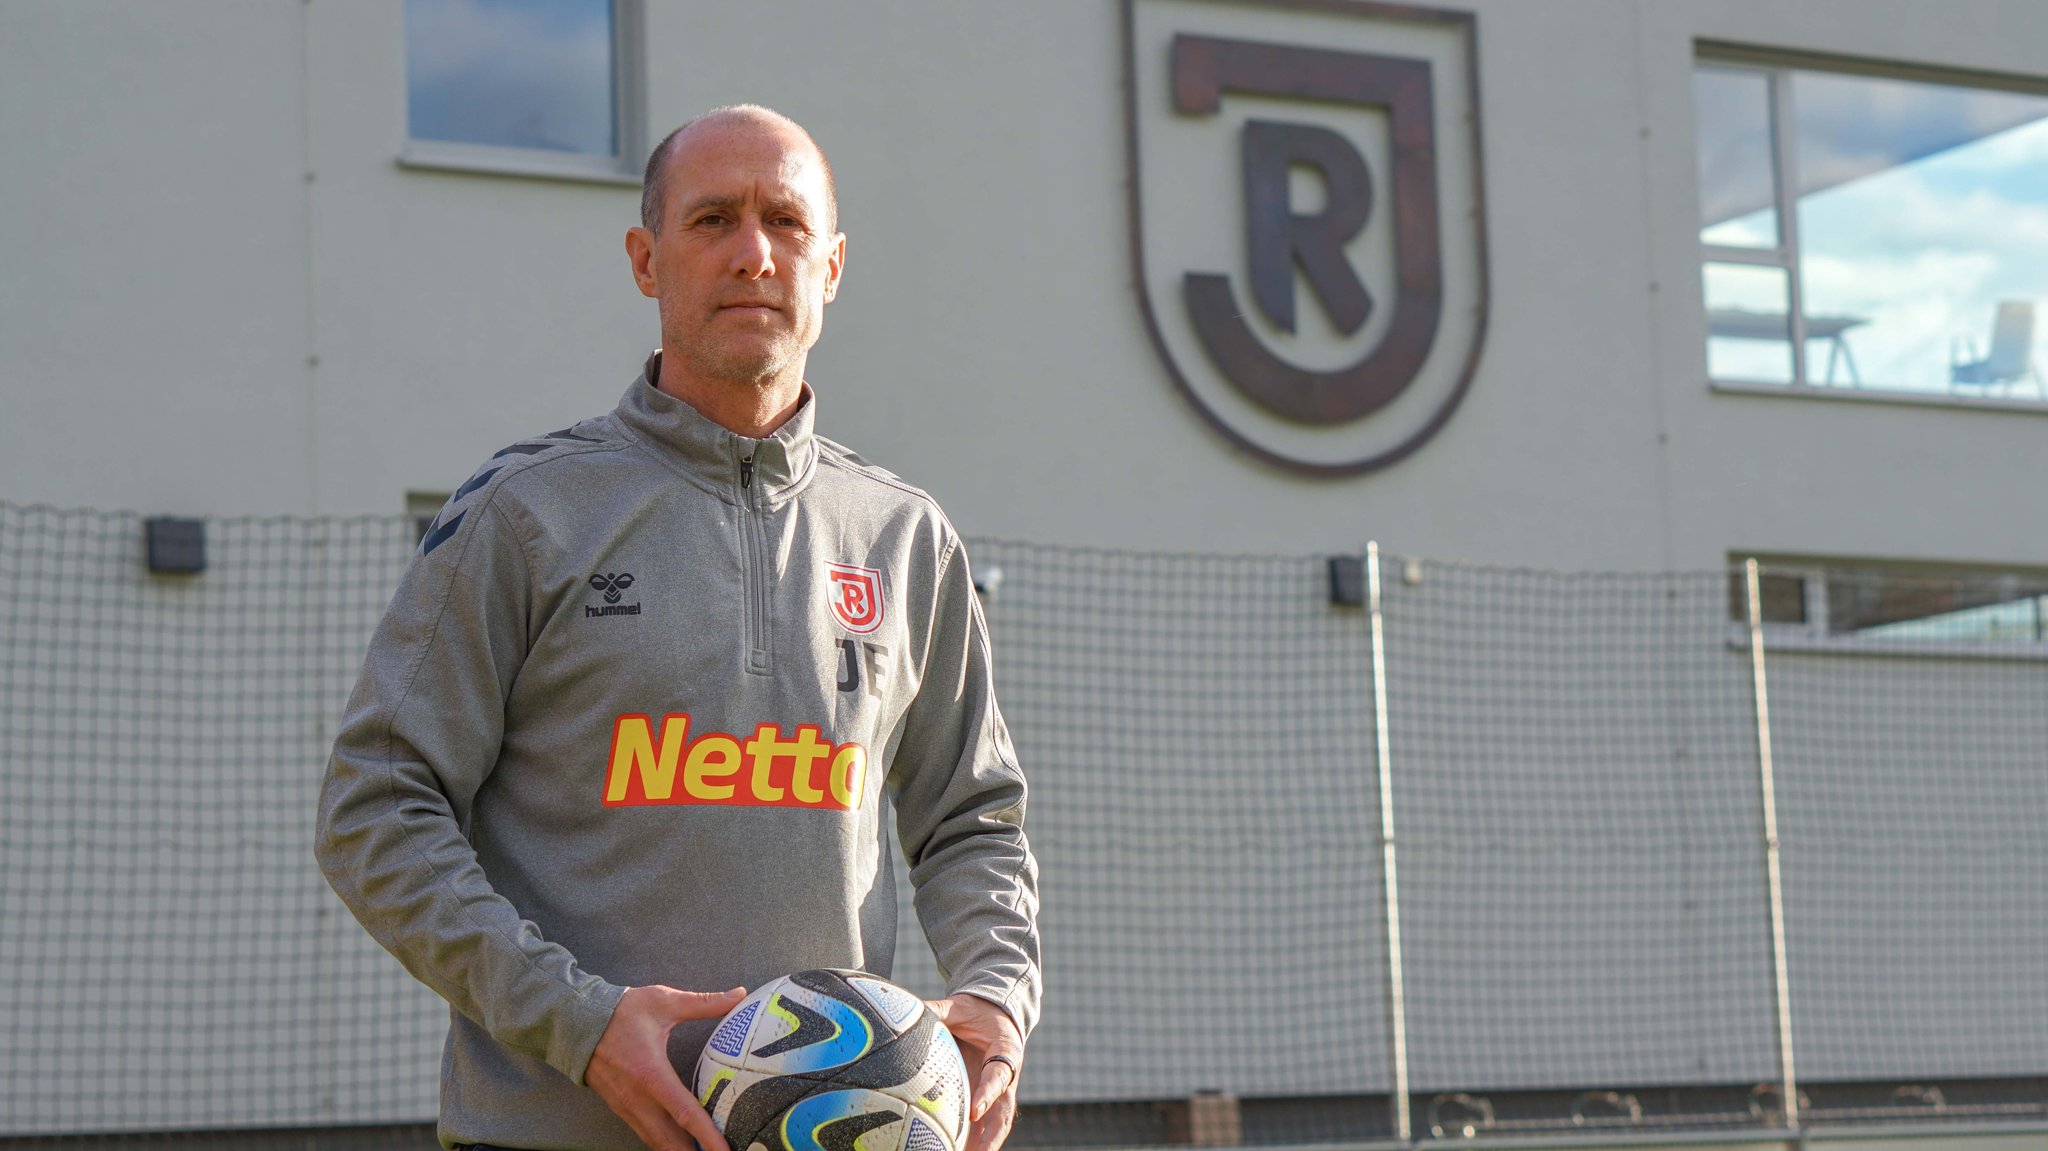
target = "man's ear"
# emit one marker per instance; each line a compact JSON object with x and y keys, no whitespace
{"x":640,"y":250}
{"x":837,"y":262}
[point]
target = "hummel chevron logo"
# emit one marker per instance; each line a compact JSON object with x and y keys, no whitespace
{"x":613,"y":585}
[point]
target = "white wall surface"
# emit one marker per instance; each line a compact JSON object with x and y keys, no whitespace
{"x":153,"y":256}
{"x":220,"y":294}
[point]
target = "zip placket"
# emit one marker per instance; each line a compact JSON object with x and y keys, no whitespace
{"x":754,"y":570}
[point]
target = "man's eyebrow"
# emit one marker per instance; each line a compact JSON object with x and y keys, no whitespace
{"x":794,"y":205}
{"x":701,"y":203}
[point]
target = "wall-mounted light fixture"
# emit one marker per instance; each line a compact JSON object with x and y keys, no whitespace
{"x":1347,"y":581}
{"x":176,"y":546}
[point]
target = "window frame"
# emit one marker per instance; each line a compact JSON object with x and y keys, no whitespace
{"x":1811,"y":635}
{"x":629,"y":113}
{"x":1777,"y":66}
{"x":423,"y":508}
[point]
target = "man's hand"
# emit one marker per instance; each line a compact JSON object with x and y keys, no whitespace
{"x":984,"y":1030}
{"x":630,"y":1070}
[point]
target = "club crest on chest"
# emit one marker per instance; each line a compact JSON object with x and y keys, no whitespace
{"x":855,"y":594}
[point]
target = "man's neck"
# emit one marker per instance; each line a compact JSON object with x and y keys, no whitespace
{"x":751,"y":409}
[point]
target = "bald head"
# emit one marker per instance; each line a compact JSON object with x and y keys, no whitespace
{"x":741,"y":251}
{"x":654,"y":186}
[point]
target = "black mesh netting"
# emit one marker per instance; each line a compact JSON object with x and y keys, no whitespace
{"x":1585,"y":918}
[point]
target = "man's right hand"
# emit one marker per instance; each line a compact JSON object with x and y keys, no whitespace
{"x":630,"y":1070}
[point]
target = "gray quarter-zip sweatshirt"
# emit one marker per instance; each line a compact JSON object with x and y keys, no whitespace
{"x":630,"y":719}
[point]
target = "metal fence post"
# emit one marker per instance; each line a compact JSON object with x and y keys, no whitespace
{"x":1781,"y":988}
{"x":1397,"y":1009}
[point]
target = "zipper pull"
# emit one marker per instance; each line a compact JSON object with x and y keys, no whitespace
{"x":746,"y":471}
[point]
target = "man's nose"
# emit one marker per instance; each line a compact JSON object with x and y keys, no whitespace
{"x":753,"y":255}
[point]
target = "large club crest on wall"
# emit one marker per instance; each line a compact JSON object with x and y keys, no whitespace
{"x":1307,"y":218}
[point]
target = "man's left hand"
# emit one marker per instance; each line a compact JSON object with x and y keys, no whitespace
{"x":984,"y":1030}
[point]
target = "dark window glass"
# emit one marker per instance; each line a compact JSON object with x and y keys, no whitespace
{"x":1782,"y":597}
{"x":1877,"y":602}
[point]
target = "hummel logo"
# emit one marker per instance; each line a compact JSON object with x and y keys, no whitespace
{"x":613,"y":585}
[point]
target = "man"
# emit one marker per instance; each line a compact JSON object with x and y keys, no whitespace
{"x":628,"y":722}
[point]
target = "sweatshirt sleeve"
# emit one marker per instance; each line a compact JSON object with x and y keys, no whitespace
{"x":421,"y":734}
{"x":960,"y":812}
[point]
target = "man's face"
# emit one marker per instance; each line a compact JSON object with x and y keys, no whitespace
{"x":746,"y":258}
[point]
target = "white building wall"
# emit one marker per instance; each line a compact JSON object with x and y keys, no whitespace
{"x":153,"y":256}
{"x":222,"y":294}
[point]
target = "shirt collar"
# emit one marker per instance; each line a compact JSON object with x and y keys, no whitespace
{"x":776,"y":466}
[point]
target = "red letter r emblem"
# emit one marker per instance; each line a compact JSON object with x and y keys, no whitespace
{"x":856,"y":595}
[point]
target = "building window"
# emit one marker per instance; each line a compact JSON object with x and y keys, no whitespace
{"x":1911,"y":609}
{"x":422,"y":508}
{"x":1882,"y":235}
{"x":529,"y":87}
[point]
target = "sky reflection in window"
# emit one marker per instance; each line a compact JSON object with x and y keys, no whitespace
{"x":1921,"y":252}
{"x":512,"y":73}
{"x":1925,"y":209}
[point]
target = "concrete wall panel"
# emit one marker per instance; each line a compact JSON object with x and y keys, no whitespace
{"x":153,"y":308}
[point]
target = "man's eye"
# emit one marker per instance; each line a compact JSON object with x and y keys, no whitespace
{"x":713,"y":219}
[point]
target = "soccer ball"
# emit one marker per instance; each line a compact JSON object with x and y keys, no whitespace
{"x":834,"y":1060}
